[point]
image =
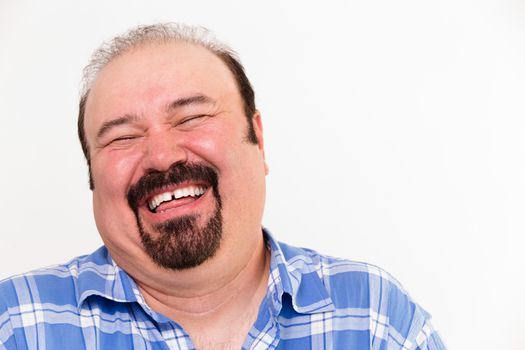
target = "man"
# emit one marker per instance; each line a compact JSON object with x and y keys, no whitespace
{"x":175,"y":152}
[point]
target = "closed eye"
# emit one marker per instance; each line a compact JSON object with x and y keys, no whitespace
{"x":192,"y":120}
{"x":122,"y":140}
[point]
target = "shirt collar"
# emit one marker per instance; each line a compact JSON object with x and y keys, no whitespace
{"x":293,"y":271}
{"x":296,"y":272}
{"x":98,"y":274}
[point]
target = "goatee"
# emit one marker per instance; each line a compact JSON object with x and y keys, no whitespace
{"x":179,"y":243}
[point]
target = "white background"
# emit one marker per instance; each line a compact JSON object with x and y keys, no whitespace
{"x":394,"y":130}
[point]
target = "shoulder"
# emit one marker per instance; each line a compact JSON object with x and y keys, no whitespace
{"x":57,"y":284}
{"x":48,"y":295}
{"x":24,"y":297}
{"x":364,"y":291}
{"x":349,"y":283}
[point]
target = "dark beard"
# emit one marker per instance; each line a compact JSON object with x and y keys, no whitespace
{"x":180,"y":243}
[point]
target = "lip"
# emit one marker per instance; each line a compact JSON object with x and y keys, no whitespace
{"x":185,"y":207}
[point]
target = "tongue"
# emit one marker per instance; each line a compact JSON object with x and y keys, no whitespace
{"x":174,"y":203}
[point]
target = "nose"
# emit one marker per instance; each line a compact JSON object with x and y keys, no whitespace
{"x":161,"y":150}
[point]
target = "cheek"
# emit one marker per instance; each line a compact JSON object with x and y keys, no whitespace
{"x":240,"y":164}
{"x":113,"y":172}
{"x":220,"y":144}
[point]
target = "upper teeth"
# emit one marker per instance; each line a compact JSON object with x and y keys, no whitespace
{"x":188,"y":191}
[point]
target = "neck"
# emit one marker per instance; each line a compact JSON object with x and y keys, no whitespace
{"x":206,"y":291}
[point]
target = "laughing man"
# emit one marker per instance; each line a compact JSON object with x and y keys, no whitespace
{"x":175,"y":150}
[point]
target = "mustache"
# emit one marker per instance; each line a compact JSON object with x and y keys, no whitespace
{"x":175,"y":175}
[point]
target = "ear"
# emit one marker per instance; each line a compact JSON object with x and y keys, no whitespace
{"x":258,"y":128}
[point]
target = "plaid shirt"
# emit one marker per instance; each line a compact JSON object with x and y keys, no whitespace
{"x":312,"y":302}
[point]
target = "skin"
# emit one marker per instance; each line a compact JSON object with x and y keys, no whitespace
{"x":207,"y":300}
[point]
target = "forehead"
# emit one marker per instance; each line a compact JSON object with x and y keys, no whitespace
{"x":151,"y":75}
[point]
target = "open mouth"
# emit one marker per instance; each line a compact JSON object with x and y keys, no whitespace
{"x":173,"y":198}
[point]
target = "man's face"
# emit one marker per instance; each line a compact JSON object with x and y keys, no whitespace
{"x":176,"y":180}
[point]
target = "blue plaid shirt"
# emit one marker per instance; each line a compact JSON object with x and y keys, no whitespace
{"x":312,"y":302}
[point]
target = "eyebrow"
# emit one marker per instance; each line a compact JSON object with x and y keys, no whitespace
{"x":184,"y":101}
{"x":115,"y":122}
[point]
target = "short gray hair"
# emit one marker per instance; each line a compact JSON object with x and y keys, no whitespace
{"x":158,"y":33}
{"x":162,"y":33}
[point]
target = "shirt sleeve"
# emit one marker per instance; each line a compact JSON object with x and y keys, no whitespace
{"x":422,"y":335}
{"x":428,"y":339}
{"x":409,"y":324}
{"x":7,"y":337}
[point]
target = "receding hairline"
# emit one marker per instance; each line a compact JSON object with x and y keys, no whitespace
{"x":146,"y":46}
{"x":141,"y":36}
